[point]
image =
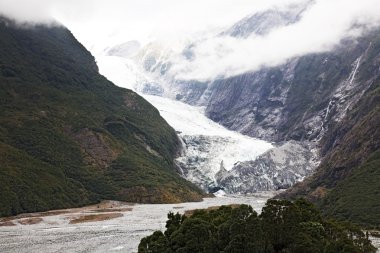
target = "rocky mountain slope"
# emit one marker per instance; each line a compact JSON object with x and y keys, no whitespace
{"x":69,"y":137}
{"x":326,"y":102}
{"x":213,"y":157}
{"x":346,"y":184}
{"x":330,"y":99}
{"x":227,"y":102}
{"x":318,"y":108}
{"x":297,"y":100}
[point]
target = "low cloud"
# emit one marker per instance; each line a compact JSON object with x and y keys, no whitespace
{"x":99,"y":24}
{"x":322,"y":26}
{"x":34,"y":12}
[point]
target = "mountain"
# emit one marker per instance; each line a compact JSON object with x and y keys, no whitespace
{"x":330,"y":99}
{"x":297,"y":100}
{"x":278,"y":168}
{"x":346,"y":184}
{"x":213,"y":157}
{"x":70,"y":137}
{"x":264,"y":22}
{"x":204,"y":162}
{"x":321,"y":110}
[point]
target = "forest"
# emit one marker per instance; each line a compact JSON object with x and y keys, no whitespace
{"x":283,"y":226}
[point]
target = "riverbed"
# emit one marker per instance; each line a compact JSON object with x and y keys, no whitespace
{"x":74,"y":230}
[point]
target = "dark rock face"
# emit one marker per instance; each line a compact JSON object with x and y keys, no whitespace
{"x":346,"y":184}
{"x":314,"y":98}
{"x":251,"y":103}
{"x":302,"y":100}
{"x":331,"y":99}
{"x":297,"y":100}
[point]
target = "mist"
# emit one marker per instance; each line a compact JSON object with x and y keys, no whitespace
{"x":99,"y":24}
{"x":322,"y":27}
{"x":32,"y":12}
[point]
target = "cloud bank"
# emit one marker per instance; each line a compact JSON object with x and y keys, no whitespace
{"x":102,"y":23}
{"x":35,"y":11}
{"x":322,"y":26}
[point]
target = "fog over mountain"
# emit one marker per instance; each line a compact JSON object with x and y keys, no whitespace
{"x":120,"y":102}
{"x":318,"y":29}
{"x":98,"y":24}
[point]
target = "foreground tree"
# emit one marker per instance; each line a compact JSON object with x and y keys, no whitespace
{"x":282,"y":227}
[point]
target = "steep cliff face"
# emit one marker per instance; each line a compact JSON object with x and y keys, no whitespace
{"x":297,"y":100}
{"x":303,"y":100}
{"x":346,"y":184}
{"x":70,"y":137}
{"x":331,"y":99}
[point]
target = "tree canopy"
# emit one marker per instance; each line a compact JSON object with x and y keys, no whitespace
{"x":282,"y":227}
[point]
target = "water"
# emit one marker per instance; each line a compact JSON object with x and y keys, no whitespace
{"x":55,"y":234}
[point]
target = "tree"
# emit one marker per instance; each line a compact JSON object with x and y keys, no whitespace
{"x":282,"y":227}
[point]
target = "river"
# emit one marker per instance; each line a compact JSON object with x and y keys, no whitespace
{"x":54,"y":233}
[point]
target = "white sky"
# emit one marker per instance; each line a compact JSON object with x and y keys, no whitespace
{"x":101,"y":23}
{"x":95,"y":21}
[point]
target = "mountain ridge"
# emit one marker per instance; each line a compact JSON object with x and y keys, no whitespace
{"x":311,"y":98}
{"x":69,"y":137}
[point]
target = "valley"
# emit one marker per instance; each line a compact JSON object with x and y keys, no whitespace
{"x":212,"y":156}
{"x":55,"y":232}
{"x":111,"y":119}
{"x":319,"y":109}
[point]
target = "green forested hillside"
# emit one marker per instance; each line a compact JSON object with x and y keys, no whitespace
{"x":69,"y":137}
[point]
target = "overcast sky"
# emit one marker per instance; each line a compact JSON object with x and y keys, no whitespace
{"x":101,"y":23}
{"x":142,"y":20}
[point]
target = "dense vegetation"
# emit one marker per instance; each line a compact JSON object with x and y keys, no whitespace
{"x":283,"y":226}
{"x":69,"y":137}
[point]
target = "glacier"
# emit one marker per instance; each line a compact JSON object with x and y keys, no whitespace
{"x":213,"y":157}
{"x":207,"y":146}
